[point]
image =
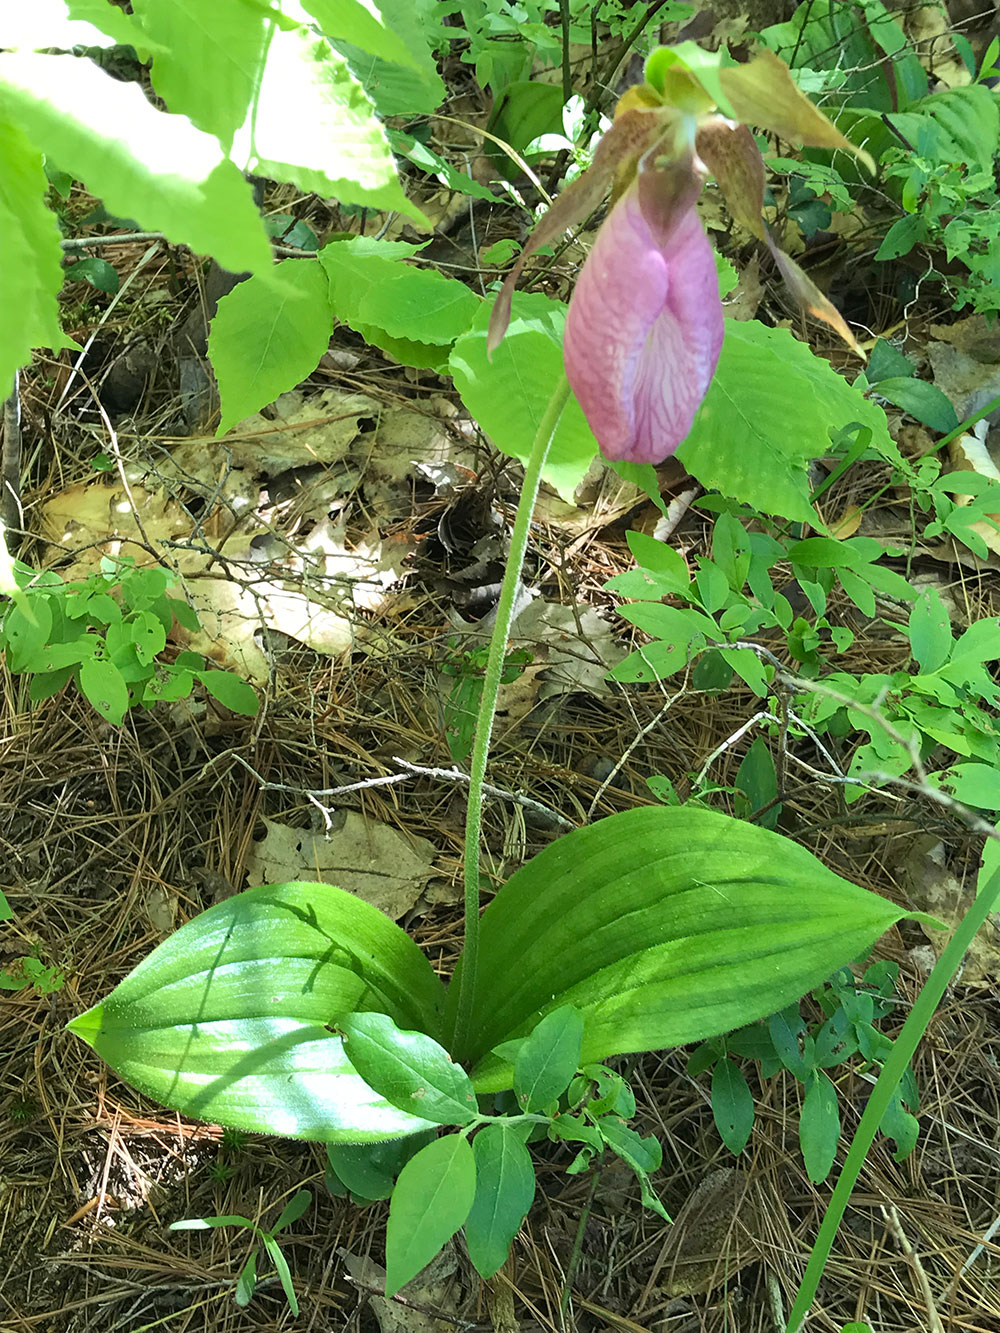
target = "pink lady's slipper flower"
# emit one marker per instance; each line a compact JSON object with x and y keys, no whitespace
{"x":644,"y":329}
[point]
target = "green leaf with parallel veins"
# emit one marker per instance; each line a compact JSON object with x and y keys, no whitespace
{"x":431,"y":1200}
{"x":264,"y":341}
{"x":139,"y":161}
{"x":409,"y":1069}
{"x":548,"y":1059}
{"x":663,"y":925}
{"x":229,"y":1019}
{"x":505,"y":1189}
{"x":741,"y":444}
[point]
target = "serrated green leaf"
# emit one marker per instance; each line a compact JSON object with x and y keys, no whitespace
{"x":312,"y":124}
{"x":232,"y":691}
{"x":63,"y":24}
{"x":505,"y":1189}
{"x":142,"y":163}
{"x":210,"y":60}
{"x":229,"y":1018}
{"x":409,"y":1069}
{"x":732,"y":1105}
{"x":663,"y":925}
{"x":509,"y":395}
{"x":548,"y":1059}
{"x":360,"y":23}
{"x":399,"y":90}
{"x":741,"y":442}
{"x":263,"y":342}
{"x":431,"y":1201}
{"x":31,"y":273}
{"x":103,"y":685}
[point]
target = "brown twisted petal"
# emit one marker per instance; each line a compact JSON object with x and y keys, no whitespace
{"x":633,"y":133}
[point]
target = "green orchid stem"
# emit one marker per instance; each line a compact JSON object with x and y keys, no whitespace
{"x":888,"y":1081}
{"x":488,"y":703}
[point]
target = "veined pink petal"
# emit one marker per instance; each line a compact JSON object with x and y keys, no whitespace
{"x":643,"y":333}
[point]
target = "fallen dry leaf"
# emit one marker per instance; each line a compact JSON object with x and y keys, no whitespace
{"x":370,"y":860}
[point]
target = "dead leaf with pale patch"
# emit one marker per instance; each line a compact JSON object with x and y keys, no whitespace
{"x":371,"y":860}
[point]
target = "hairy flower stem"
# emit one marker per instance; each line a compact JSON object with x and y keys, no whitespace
{"x":488,"y":702}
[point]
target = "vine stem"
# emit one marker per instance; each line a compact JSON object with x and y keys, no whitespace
{"x":888,"y":1080}
{"x":488,"y":702}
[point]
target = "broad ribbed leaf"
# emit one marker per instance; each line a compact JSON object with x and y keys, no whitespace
{"x":743,"y":443}
{"x":663,"y":925}
{"x":142,"y":163}
{"x":229,"y":1020}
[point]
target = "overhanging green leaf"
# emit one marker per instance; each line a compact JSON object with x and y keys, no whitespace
{"x":229,"y":1019}
{"x":211,"y":58}
{"x":140,"y":162}
{"x":312,"y":124}
{"x":663,"y":925}
{"x":31,"y":273}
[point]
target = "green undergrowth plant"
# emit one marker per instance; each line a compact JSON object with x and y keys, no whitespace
{"x":845,"y":1035}
{"x":267,"y":1238}
{"x":106,"y":635}
{"x":936,"y":149}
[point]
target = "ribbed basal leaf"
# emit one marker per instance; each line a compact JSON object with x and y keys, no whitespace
{"x":663,"y":925}
{"x":229,"y":1019}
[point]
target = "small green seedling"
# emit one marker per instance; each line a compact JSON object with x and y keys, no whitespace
{"x":462,"y":704}
{"x":106,"y":633}
{"x":246,"y":1281}
{"x":31,"y":971}
{"x":784,"y":1041}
